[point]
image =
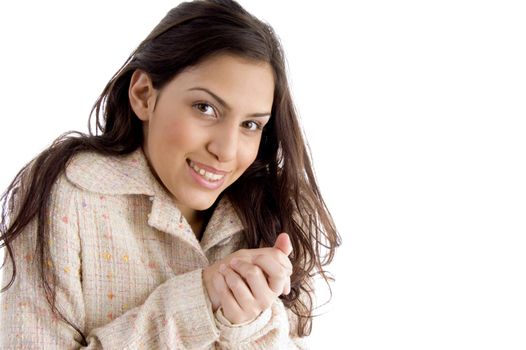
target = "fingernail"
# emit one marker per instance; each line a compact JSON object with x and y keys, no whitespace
{"x":222,"y":268}
{"x":234,"y":262}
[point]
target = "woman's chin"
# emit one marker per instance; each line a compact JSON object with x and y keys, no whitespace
{"x":201,"y":204}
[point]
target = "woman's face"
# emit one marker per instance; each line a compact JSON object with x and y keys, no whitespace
{"x":202,"y":130}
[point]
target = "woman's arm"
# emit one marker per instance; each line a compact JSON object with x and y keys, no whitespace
{"x":175,"y":315}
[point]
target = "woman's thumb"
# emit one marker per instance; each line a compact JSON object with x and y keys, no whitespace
{"x":283,"y":243}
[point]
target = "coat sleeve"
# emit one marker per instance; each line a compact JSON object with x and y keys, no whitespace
{"x":272,"y":329}
{"x":175,"y":315}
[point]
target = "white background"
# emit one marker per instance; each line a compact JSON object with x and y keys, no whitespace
{"x":415,"y":113}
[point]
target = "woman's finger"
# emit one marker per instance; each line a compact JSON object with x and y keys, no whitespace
{"x":240,"y":291}
{"x":257,"y":281}
{"x":228,"y":302}
{"x":250,"y":254}
{"x":278,"y":276}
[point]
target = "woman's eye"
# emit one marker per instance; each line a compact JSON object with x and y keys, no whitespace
{"x":252,"y":125}
{"x":206,"y":109}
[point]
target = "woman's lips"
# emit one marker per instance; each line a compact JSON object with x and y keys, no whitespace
{"x":208,"y":179}
{"x":207,"y":168}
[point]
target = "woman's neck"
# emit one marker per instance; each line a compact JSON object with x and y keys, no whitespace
{"x":197,"y":219}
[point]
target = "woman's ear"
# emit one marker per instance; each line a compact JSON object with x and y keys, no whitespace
{"x":142,"y":95}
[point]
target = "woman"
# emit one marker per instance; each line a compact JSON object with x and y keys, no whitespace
{"x":190,"y":219}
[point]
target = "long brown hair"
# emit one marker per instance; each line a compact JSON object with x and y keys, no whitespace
{"x":277,"y":193}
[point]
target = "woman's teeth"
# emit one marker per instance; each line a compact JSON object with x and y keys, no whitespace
{"x":207,"y":175}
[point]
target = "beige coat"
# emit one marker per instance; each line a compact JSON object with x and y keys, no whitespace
{"x":129,"y":270}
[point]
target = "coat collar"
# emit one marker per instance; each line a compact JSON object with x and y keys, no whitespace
{"x":131,"y":175}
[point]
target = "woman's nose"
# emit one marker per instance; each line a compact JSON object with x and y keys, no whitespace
{"x":224,"y":142}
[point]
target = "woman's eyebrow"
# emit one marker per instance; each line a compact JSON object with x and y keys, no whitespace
{"x":224,"y":104}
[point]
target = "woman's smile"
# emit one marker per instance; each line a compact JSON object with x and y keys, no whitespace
{"x":209,"y":178}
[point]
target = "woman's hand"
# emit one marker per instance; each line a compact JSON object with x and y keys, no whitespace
{"x":248,"y":281}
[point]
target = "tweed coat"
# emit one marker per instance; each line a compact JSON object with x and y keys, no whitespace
{"x":129,"y":269}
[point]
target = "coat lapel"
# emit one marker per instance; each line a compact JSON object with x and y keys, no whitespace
{"x":223,"y":225}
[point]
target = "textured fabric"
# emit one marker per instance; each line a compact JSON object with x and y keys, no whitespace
{"x":129,"y":269}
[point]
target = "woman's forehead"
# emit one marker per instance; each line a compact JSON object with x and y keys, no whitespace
{"x":233,"y":79}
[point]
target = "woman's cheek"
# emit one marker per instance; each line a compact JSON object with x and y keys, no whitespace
{"x":249,"y":153}
{"x":180,"y":133}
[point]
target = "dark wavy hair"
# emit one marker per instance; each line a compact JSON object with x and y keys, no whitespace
{"x":277,"y":193}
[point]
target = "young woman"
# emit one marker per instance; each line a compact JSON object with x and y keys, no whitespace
{"x":190,"y":219}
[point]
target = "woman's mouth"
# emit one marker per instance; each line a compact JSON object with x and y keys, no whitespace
{"x":206,"y":178}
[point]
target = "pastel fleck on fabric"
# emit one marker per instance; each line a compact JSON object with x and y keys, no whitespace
{"x":129,"y":269}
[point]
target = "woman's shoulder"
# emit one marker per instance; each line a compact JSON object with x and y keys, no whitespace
{"x":110,"y":174}
{"x":87,"y":175}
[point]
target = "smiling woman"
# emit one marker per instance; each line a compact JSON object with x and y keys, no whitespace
{"x":190,"y":218}
{"x":197,"y":142}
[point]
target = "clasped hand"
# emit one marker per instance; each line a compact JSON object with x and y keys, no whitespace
{"x":248,"y":281}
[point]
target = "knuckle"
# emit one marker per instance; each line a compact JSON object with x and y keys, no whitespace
{"x":277,"y":254}
{"x":282,"y":275}
{"x":288,"y":268}
{"x":240,"y":253}
{"x":236,"y":283}
{"x":253,"y":272}
{"x":281,"y":257}
{"x":243,"y":300}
